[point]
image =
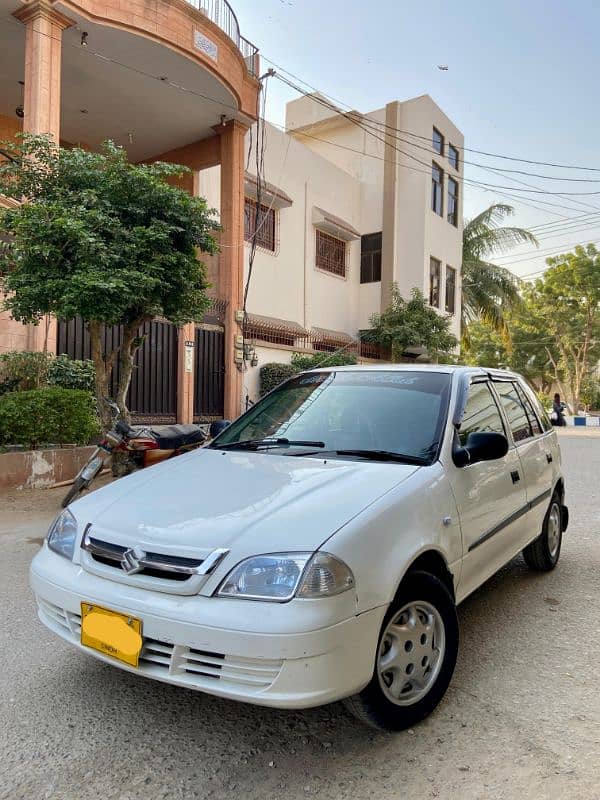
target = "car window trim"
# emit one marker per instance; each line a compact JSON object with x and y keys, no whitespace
{"x":512,"y":439}
{"x":474,"y":381}
{"x":528,"y":406}
{"x":537,"y":406}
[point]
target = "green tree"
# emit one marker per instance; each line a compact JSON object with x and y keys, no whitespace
{"x":410,"y":324}
{"x":567,"y":299}
{"x":526,"y":352}
{"x":489,"y":291}
{"x":103,"y":239}
{"x":487,"y":348}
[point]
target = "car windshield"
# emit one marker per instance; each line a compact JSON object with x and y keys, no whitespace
{"x":374,"y":411}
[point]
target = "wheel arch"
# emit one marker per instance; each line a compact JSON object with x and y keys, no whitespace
{"x":433,"y":562}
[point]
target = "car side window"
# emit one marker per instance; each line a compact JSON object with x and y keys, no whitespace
{"x":515,"y":411}
{"x":481,"y":413}
{"x":533,"y":417}
{"x":539,"y":409}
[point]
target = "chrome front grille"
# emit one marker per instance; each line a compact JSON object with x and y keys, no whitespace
{"x":168,"y":572}
{"x":159,"y":565}
{"x":181,"y":664}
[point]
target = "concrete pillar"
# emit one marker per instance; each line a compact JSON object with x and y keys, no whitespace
{"x":185,"y":373}
{"x":390,"y":205}
{"x":43,"y":41}
{"x":231,"y":257}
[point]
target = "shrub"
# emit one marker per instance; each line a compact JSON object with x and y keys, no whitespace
{"x":302,"y":362}
{"x":47,"y":416}
{"x":271,"y":375}
{"x":20,"y":371}
{"x":71,"y":374}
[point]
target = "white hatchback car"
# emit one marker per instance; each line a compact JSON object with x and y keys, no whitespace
{"x":318,"y":548}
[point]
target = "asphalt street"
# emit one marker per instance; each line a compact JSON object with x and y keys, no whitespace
{"x":521,"y":718}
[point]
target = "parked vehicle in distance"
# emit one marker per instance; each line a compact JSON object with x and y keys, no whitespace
{"x":317,"y":549}
{"x":144,"y":445}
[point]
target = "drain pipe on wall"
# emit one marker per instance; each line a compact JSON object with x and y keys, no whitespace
{"x":305,"y":252}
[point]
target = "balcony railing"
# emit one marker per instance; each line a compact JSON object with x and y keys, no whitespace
{"x":221,"y":13}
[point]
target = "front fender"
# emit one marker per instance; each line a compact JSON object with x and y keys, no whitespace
{"x":382,"y":542}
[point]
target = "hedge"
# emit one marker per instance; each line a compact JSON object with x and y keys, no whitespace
{"x":271,"y":375}
{"x":47,"y":416}
{"x":21,"y":371}
{"x":72,"y":374}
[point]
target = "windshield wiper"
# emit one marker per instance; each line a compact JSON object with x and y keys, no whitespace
{"x":254,"y":444}
{"x":383,"y":455}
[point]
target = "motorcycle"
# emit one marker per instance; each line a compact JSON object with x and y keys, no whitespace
{"x":144,"y":447}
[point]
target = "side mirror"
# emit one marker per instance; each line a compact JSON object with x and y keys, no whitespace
{"x":218,"y":427}
{"x":485,"y":446}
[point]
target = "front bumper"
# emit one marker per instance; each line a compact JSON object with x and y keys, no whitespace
{"x":271,"y":666}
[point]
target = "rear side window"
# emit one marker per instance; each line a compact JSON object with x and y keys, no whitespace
{"x":515,"y":411}
{"x":481,"y":413}
{"x":533,"y":418}
{"x":537,"y":406}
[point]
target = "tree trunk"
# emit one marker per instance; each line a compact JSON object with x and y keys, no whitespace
{"x":127,"y":353}
{"x":103,"y":369}
{"x":556,"y":378}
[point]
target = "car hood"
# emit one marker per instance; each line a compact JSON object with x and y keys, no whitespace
{"x":247,"y":502}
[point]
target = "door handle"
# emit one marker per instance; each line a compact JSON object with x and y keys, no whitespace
{"x":549,"y":458}
{"x":515,"y":476}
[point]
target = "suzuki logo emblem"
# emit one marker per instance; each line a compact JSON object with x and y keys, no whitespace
{"x":131,"y":560}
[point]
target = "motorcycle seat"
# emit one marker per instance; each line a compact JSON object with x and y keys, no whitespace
{"x":172,"y":437}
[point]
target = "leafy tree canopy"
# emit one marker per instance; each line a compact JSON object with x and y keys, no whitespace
{"x":410,"y":324}
{"x":103,"y":239}
{"x":488,"y":290}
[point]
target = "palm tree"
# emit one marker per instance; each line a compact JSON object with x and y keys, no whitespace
{"x":488,"y":290}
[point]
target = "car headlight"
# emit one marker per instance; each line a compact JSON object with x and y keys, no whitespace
{"x":281,"y":576}
{"x":62,"y":534}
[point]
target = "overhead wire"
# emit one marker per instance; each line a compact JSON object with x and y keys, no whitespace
{"x":427,"y":138}
{"x":361,"y":122}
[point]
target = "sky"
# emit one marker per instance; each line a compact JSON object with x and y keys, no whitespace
{"x":522,"y":81}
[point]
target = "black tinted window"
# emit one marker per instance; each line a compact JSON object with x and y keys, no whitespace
{"x":533,"y":419}
{"x":481,"y":413}
{"x":514,"y":410}
{"x":538,"y":407}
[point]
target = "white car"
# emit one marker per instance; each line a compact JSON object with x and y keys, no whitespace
{"x":318,"y":548}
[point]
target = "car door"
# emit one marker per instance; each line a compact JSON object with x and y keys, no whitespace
{"x":535,"y":450}
{"x":490,"y":495}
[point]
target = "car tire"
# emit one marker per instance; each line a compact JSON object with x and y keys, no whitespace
{"x":415,"y":659}
{"x":543,"y":553}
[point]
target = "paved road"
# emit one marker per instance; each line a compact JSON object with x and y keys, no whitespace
{"x":521,"y":720}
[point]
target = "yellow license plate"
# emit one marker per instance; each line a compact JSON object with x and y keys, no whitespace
{"x":111,"y":633}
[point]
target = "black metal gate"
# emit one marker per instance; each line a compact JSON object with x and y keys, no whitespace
{"x":209,"y":374}
{"x":153,"y":392}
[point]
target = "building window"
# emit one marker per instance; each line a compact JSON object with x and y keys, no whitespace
{"x":330,"y":254}
{"x":450,"y":290}
{"x":438,"y":142}
{"x":370,"y":258}
{"x":435,"y":269}
{"x":453,"y":202}
{"x":453,"y":156}
{"x":259,"y":220}
{"x":437,"y":187}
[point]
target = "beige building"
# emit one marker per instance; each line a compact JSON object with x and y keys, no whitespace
{"x":353,"y":203}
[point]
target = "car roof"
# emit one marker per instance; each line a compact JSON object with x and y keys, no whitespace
{"x":448,"y":369}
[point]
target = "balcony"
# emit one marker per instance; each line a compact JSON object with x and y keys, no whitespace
{"x":221,"y":13}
